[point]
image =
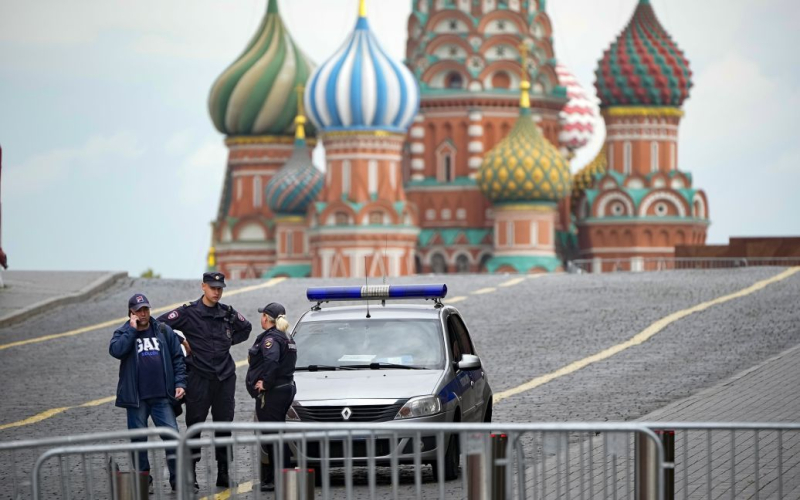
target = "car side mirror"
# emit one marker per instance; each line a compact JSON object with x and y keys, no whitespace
{"x":469,"y":362}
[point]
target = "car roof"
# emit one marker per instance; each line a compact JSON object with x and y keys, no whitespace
{"x":376,"y":311}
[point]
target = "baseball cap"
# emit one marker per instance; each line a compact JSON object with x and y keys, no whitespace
{"x":137,"y":302}
{"x":216,"y":280}
{"x":273,"y":310}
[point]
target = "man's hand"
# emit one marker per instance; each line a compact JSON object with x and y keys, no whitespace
{"x":179,"y":392}
{"x":134,"y":320}
{"x":260,"y":386}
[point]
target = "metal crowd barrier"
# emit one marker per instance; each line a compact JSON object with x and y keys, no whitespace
{"x":81,"y":466}
{"x":648,"y":264}
{"x":390,"y":460}
{"x":638,"y":460}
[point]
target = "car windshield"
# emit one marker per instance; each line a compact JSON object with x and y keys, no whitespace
{"x":407,"y":342}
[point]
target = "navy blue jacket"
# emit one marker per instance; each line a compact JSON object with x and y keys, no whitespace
{"x":123,"y":347}
{"x":211,"y":331}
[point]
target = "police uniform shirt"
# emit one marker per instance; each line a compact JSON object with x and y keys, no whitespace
{"x":210,"y":331}
{"x":272,"y":359}
{"x":150,"y":365}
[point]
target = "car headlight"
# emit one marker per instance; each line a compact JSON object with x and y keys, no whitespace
{"x":421,"y":406}
{"x":292,"y":416}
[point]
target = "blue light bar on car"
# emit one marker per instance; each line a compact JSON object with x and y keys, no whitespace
{"x":376,"y":292}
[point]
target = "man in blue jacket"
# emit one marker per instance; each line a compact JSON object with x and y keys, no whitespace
{"x":152,"y":374}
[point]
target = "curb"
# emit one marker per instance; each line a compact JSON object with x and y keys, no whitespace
{"x":96,"y":286}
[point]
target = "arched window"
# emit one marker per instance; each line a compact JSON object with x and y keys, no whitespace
{"x":289,"y":243}
{"x":438,"y":264}
{"x":654,"y":156}
{"x":341,"y":219}
{"x":257,"y":196}
{"x":627,"y":158}
{"x":462,"y":264}
{"x":454,"y":80}
{"x":376,"y":217}
{"x":346,"y":178}
{"x":501,"y":80}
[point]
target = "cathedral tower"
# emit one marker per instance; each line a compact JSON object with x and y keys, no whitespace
{"x":254,"y":104}
{"x":638,"y":204}
{"x":362,"y":102}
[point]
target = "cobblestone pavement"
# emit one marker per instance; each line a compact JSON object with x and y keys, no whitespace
{"x":521,"y":331}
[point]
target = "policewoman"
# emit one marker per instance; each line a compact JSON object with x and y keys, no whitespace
{"x":211,"y":329}
{"x":270,"y":379}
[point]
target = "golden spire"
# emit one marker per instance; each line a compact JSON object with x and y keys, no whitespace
{"x":300,"y":120}
{"x":362,"y":8}
{"x":524,"y":84}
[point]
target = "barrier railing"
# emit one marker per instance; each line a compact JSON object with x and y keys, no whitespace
{"x":656,"y":460}
{"x":648,"y":264}
{"x":86,"y":467}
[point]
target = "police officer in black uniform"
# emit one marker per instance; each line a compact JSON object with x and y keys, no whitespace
{"x":270,"y":380}
{"x":211,"y":328}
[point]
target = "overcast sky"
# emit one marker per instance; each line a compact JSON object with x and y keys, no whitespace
{"x":111,"y":161}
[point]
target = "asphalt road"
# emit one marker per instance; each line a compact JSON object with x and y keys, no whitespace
{"x":522,"y":331}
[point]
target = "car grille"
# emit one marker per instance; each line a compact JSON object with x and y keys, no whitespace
{"x":361,"y":413}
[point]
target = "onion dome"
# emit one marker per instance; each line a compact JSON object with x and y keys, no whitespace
{"x":643,"y":66}
{"x":361,"y":88}
{"x":584,"y":178}
{"x":578,"y":116}
{"x":298,"y":182}
{"x":524,"y":167}
{"x":255,"y":95}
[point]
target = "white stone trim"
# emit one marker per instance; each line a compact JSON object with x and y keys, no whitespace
{"x":662,"y":196}
{"x":475,"y":147}
{"x":417,"y":164}
{"x":475,"y":130}
{"x":605,"y":199}
{"x":417,"y":132}
{"x":417,"y":148}
{"x":475,"y":162}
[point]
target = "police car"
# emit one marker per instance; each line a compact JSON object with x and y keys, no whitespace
{"x":388,"y":362}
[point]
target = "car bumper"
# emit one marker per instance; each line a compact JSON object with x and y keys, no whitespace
{"x":361,"y":451}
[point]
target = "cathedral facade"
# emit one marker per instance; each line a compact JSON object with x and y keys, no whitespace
{"x":454,"y":160}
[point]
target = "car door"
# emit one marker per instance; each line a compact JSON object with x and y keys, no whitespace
{"x":464,"y":379}
{"x":477,"y":377}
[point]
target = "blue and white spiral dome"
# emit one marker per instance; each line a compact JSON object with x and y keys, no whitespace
{"x":361,"y":88}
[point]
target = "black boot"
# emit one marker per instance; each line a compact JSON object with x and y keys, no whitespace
{"x":222,"y":474}
{"x":195,"y":486}
{"x":267,"y":479}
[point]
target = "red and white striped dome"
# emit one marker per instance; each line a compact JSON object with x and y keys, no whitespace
{"x":578,"y":116}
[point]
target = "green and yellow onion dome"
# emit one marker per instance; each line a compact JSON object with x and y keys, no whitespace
{"x":524,"y":167}
{"x":255,"y":95}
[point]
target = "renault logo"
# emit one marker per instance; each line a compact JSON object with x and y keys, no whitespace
{"x":346,"y":414}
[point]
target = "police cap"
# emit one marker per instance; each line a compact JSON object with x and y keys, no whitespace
{"x":273,"y":310}
{"x":216,"y":279}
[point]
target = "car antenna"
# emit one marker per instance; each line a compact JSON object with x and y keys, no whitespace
{"x":366,"y":281}
{"x":383,"y":267}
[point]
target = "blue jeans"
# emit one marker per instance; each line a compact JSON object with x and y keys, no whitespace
{"x":160,"y":411}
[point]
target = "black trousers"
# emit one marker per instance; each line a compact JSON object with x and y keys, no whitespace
{"x":203,"y":394}
{"x":272,"y":407}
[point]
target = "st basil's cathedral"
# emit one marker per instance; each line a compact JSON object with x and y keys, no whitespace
{"x":456,"y":160}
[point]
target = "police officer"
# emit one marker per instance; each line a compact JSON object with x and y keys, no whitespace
{"x":270,"y":380}
{"x":211,"y":328}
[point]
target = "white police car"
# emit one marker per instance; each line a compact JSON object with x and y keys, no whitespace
{"x":393,"y":363}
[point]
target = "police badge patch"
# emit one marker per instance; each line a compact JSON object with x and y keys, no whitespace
{"x":267,"y":344}
{"x":173,"y":315}
{"x":241,"y":318}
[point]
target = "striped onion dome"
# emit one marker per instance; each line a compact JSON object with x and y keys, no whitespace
{"x":298,"y":182}
{"x":643,"y":66}
{"x":578,"y":116}
{"x":524,"y":167}
{"x":255,"y":95}
{"x":361,"y":88}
